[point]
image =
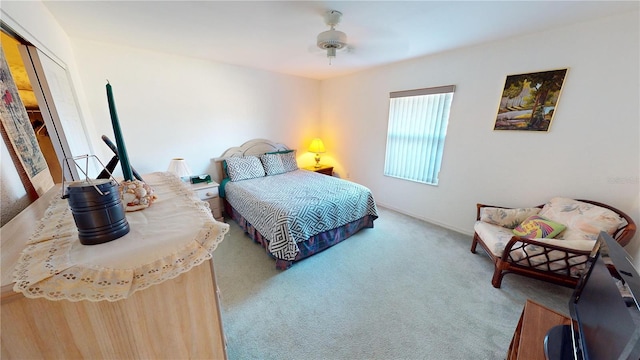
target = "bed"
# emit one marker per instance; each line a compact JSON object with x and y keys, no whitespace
{"x":293,"y":213}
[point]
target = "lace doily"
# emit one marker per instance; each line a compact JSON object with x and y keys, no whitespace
{"x":165,"y":240}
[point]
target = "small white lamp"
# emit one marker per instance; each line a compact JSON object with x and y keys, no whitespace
{"x":179,"y":167}
{"x":317,"y":147}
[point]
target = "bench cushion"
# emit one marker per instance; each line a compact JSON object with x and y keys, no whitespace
{"x":495,"y":237}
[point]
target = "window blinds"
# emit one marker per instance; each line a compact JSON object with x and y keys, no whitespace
{"x":417,"y":129}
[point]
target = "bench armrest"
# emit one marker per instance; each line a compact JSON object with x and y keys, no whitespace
{"x":543,"y":256}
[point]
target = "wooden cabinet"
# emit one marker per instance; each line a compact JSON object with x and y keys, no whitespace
{"x":323,"y":169}
{"x":528,"y":339}
{"x":176,"y":319}
{"x":209,"y":192}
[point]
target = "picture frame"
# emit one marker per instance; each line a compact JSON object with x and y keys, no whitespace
{"x":529,"y":100}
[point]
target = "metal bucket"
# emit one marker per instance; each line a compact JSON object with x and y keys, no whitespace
{"x":97,"y":210}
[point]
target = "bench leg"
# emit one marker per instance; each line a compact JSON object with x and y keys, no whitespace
{"x":498,"y":273}
{"x":474,"y":243}
{"x":496,"y":281}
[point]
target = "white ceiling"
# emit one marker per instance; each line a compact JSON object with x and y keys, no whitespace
{"x":280,"y":36}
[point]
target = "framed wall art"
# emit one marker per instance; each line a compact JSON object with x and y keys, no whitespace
{"x":529,"y":100}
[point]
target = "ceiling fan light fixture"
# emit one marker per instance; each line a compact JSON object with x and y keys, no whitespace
{"x":332,"y":40}
{"x":331,"y":54}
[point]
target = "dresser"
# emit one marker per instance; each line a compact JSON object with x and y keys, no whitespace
{"x":97,"y":302}
{"x":528,"y":338}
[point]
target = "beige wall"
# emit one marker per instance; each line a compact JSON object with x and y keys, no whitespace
{"x":591,"y":151}
{"x":174,"y":106}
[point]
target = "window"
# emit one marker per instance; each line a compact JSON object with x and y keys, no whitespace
{"x":417,"y":128}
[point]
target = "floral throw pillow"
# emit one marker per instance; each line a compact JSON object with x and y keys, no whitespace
{"x":584,"y":221}
{"x":509,"y":218}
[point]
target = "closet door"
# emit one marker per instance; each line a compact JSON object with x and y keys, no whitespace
{"x":20,"y":142}
{"x":57,"y":101}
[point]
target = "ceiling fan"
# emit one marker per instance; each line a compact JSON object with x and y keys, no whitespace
{"x":332,"y":39}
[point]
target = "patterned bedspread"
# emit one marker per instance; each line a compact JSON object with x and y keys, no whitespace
{"x":291,"y":207}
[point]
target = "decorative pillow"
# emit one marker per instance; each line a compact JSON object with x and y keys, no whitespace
{"x":509,"y":218}
{"x":584,"y":221}
{"x":242,"y":168}
{"x":272,"y":164}
{"x":537,"y":227}
{"x":289,"y":161}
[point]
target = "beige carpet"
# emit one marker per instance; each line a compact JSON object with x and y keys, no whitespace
{"x":405,"y":289}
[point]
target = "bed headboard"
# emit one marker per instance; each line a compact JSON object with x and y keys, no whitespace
{"x":251,"y":147}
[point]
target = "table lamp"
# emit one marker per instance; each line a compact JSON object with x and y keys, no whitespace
{"x":317,"y":147}
{"x":179,"y":167}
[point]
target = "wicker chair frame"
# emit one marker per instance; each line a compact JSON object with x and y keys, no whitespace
{"x":507,"y":263}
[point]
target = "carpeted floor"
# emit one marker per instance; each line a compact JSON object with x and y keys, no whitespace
{"x":405,"y":289}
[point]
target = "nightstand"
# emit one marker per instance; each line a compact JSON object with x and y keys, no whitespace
{"x":209,"y":192}
{"x":323,"y":169}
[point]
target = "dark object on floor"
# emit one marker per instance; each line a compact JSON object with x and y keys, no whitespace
{"x":604,"y":309}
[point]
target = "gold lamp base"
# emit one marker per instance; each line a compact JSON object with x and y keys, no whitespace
{"x":317,"y":161}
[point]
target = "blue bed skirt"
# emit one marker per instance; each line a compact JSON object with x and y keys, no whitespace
{"x":311,"y":246}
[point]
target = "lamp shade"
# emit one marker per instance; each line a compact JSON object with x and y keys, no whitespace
{"x":316,"y":146}
{"x":179,"y":167}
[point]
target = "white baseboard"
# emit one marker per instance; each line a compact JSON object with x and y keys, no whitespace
{"x":446,"y":226}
